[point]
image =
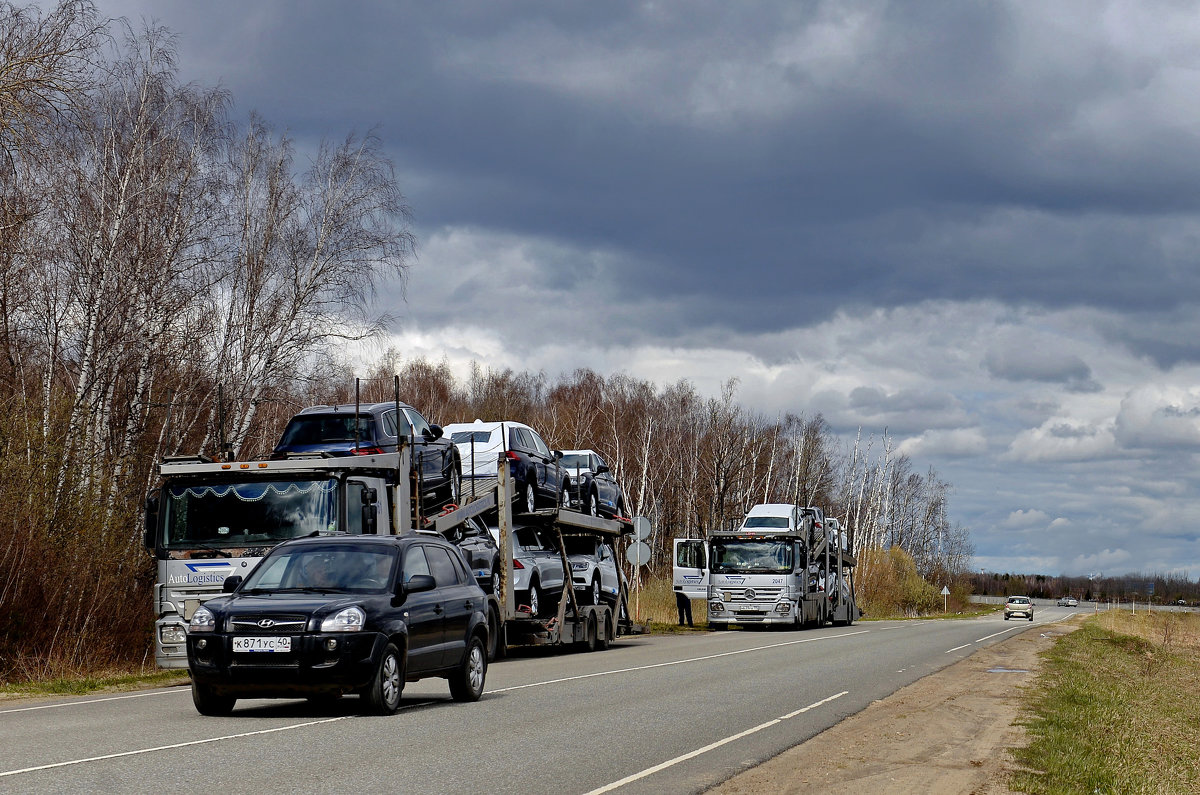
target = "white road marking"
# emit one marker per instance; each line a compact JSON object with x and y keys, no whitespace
{"x":692,"y":754}
{"x":674,"y":662}
{"x":206,"y":740}
{"x":97,"y":700}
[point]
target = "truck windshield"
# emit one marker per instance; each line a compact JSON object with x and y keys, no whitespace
{"x":208,"y":515}
{"x":752,"y":556}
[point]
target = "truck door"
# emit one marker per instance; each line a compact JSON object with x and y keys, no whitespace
{"x":690,"y":570}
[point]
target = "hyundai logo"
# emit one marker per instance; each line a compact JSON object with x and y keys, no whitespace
{"x":749,"y":593}
{"x":266,"y":623}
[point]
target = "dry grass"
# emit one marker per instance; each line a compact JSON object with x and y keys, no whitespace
{"x":1114,"y":710}
{"x":654,"y":604}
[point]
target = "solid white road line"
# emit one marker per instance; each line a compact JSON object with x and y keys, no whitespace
{"x":176,"y":691}
{"x":206,"y":740}
{"x":691,"y":754}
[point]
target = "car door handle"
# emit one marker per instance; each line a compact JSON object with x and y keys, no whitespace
{"x":438,"y":609}
{"x":469,"y":604}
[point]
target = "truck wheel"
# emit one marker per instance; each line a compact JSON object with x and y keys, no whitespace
{"x":603,"y":643}
{"x":589,"y":634}
{"x":466,"y":683}
{"x":209,"y":703}
{"x":383,"y":694}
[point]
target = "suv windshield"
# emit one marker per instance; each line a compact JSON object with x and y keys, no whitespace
{"x":245,"y":514}
{"x":581,"y":545}
{"x":334,"y":568}
{"x":576,"y":461}
{"x":773,"y":557}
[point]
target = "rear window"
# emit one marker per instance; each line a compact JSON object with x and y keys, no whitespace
{"x":321,"y":429}
{"x":466,"y":437}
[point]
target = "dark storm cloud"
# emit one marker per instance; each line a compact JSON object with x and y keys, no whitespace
{"x":941,"y":156}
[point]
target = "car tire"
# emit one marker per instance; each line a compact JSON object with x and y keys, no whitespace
{"x":593,"y":594}
{"x":528,"y":498}
{"x":466,"y":683}
{"x":496,"y":591}
{"x":1006,"y":616}
{"x":535,"y":598}
{"x":454,"y":487}
{"x":209,"y":703}
{"x":495,"y":645}
{"x":592,"y":506}
{"x":1031,"y":618}
{"x":564,"y":496}
{"x":382,"y":696}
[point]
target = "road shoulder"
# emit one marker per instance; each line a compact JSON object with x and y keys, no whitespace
{"x":947,"y":733}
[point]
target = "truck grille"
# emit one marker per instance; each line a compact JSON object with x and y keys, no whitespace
{"x":761,"y":595}
{"x":268,"y":625}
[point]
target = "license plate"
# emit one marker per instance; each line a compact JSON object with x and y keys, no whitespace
{"x":753,"y":608}
{"x":277,"y":644}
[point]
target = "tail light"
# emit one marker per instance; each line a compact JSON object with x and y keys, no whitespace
{"x":517,"y":564}
{"x":367,"y":451}
{"x":511,"y":456}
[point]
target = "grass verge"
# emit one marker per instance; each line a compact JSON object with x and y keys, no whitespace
{"x":1114,"y":709}
{"x":78,"y":686}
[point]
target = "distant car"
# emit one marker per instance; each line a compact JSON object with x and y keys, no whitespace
{"x":541,"y":479}
{"x":330,"y":430}
{"x":537,"y":571}
{"x":596,"y":490}
{"x":1021,"y":606}
{"x":1068,"y":601}
{"x":594,"y":573}
{"x":325,"y":616}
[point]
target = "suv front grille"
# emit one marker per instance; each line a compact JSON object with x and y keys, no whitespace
{"x":275,"y":625}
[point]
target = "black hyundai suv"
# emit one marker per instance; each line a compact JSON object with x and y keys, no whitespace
{"x":330,"y":615}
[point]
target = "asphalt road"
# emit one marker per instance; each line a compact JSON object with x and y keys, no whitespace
{"x":658,"y":714}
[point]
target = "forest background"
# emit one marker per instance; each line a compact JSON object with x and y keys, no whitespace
{"x":173,"y":279}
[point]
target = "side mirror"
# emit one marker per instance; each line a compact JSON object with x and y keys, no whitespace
{"x":419,"y":583}
{"x":150,"y":530}
{"x":434,"y":432}
{"x":370,"y":516}
{"x":557,"y":455}
{"x":600,"y":470}
{"x":231,"y":583}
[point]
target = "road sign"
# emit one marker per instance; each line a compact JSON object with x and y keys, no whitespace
{"x":945,"y":590}
{"x":638,"y":553}
{"x":641,"y":528}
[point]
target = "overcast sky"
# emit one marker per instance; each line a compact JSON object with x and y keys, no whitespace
{"x":974,"y":224}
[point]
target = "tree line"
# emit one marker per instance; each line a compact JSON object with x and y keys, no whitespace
{"x":174,"y":280}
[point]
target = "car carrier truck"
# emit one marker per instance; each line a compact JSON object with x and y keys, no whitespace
{"x":210,"y":520}
{"x":783,"y":566}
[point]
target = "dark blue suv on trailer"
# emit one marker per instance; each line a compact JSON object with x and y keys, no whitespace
{"x":332,"y":430}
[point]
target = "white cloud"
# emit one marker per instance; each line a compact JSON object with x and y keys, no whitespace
{"x":957,"y":443}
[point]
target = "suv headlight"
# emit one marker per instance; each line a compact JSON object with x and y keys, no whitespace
{"x":203,"y":620}
{"x":349,"y":619}
{"x":578,"y":566}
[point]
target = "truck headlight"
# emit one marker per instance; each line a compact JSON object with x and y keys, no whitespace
{"x":716,"y":607}
{"x":350,"y":619}
{"x":783,"y":607}
{"x":203,"y":620}
{"x":171,"y":634}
